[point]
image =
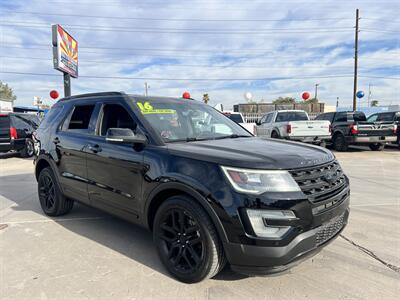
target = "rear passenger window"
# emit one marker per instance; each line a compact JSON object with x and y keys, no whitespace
{"x":80,"y":118}
{"x":341,"y":117}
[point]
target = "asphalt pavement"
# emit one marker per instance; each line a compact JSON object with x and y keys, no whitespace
{"x":88,"y":254}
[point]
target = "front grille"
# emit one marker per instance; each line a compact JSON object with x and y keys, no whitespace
{"x":321,"y":182}
{"x":329,"y":230}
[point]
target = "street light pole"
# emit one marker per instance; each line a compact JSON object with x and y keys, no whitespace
{"x":146,"y":89}
{"x":369,"y":93}
{"x":316,"y":91}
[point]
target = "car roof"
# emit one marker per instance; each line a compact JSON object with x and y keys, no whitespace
{"x":95,"y":96}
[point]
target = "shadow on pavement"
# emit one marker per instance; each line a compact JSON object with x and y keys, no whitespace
{"x":128,"y":239}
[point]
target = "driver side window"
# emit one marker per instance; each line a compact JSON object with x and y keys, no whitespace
{"x":115,"y":116}
{"x":372,"y":118}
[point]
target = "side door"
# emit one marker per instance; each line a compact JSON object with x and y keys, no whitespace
{"x":340,"y":123}
{"x":267,"y":125}
{"x":115,"y":171}
{"x":70,"y":140}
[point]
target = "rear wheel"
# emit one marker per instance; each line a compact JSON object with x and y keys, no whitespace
{"x":28,"y":150}
{"x":52,"y":201}
{"x":275,"y":135}
{"x":376,"y":147}
{"x":186,"y":240}
{"x":339,"y":143}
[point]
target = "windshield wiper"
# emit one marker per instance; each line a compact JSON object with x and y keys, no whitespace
{"x":232,"y":136}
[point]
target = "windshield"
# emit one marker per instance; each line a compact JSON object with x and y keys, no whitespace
{"x":291,"y":116}
{"x":188,"y":120}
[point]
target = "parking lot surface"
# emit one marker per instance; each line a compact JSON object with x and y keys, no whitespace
{"x":88,"y":254}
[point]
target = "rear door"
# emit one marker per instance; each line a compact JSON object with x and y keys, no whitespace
{"x":70,"y":141}
{"x":115,"y":171}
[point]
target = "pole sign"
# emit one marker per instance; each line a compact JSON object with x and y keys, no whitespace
{"x":65,"y":51}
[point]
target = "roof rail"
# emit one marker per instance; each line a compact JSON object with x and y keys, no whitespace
{"x":88,"y":95}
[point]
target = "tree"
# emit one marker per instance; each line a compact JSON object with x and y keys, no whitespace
{"x":206,"y":98}
{"x":6,"y":93}
{"x":374,"y":103}
{"x":284,"y":100}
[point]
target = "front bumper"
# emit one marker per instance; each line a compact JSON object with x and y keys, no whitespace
{"x":260,"y":260}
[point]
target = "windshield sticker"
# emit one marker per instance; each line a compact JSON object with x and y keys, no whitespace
{"x":147,"y":108}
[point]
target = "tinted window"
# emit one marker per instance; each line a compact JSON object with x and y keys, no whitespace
{"x":81,"y":117}
{"x":26,"y":121}
{"x":115,"y":116}
{"x":341,"y":117}
{"x":237,"y":118}
{"x":52,"y":114}
{"x":268,"y":118}
{"x":326,"y":116}
{"x":291,"y":116}
{"x":397,"y":118}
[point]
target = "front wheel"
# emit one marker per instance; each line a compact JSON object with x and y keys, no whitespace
{"x":376,"y":147}
{"x":187,"y":241}
{"x":275,"y":135}
{"x":52,"y":201}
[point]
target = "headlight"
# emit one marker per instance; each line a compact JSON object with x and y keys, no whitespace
{"x":260,"y":181}
{"x":259,"y":222}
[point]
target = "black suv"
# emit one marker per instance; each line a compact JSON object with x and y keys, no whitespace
{"x":210,"y":192}
{"x":353,"y":128}
{"x":390,"y":116}
{"x":16,"y":131}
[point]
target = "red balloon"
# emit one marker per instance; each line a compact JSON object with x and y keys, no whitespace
{"x":305,"y":96}
{"x":54,"y":94}
{"x":186,"y":95}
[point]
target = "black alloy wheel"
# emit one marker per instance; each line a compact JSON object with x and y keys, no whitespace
{"x":28,"y":150}
{"x":51,"y":199}
{"x":183,"y":243}
{"x":187,"y":241}
{"x":376,"y":146}
{"x":47,"y":192}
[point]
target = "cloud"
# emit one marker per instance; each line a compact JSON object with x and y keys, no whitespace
{"x":283,"y":54}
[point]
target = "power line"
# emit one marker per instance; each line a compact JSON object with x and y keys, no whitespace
{"x":186,"y":65}
{"x":378,"y":30}
{"x":177,"y":19}
{"x":198,"y":79}
{"x":179,"y":31}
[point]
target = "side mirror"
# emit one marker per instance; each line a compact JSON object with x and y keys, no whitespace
{"x":258,"y":122}
{"x":124,"y":136}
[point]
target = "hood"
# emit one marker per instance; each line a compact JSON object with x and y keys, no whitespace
{"x":254,"y":153}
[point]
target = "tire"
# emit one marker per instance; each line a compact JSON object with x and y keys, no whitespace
{"x":51,"y":199}
{"x":275,"y":135}
{"x":28,"y":150}
{"x":339,"y":143}
{"x":376,"y":147}
{"x":190,"y":250}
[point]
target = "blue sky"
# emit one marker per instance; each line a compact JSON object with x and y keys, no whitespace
{"x":223,"y":48}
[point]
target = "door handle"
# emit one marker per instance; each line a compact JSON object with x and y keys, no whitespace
{"x":56,"y":140}
{"x":94,"y":148}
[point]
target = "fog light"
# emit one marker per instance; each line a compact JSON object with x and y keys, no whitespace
{"x":259,"y":222}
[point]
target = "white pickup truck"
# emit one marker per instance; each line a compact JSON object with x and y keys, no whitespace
{"x":239,"y":119}
{"x":294,"y":125}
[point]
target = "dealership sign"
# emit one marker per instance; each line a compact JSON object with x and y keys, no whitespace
{"x":65,"y":51}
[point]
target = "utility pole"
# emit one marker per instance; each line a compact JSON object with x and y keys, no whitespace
{"x":337,"y":101}
{"x":146,"y":89}
{"x":355,"y":61}
{"x":369,"y":93}
{"x":316,"y":91}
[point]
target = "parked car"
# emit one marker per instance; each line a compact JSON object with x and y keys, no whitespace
{"x":16,"y":133}
{"x":393,"y":116}
{"x":293,"y":125}
{"x":211,"y":195}
{"x":352,"y":128}
{"x":239,"y":119}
